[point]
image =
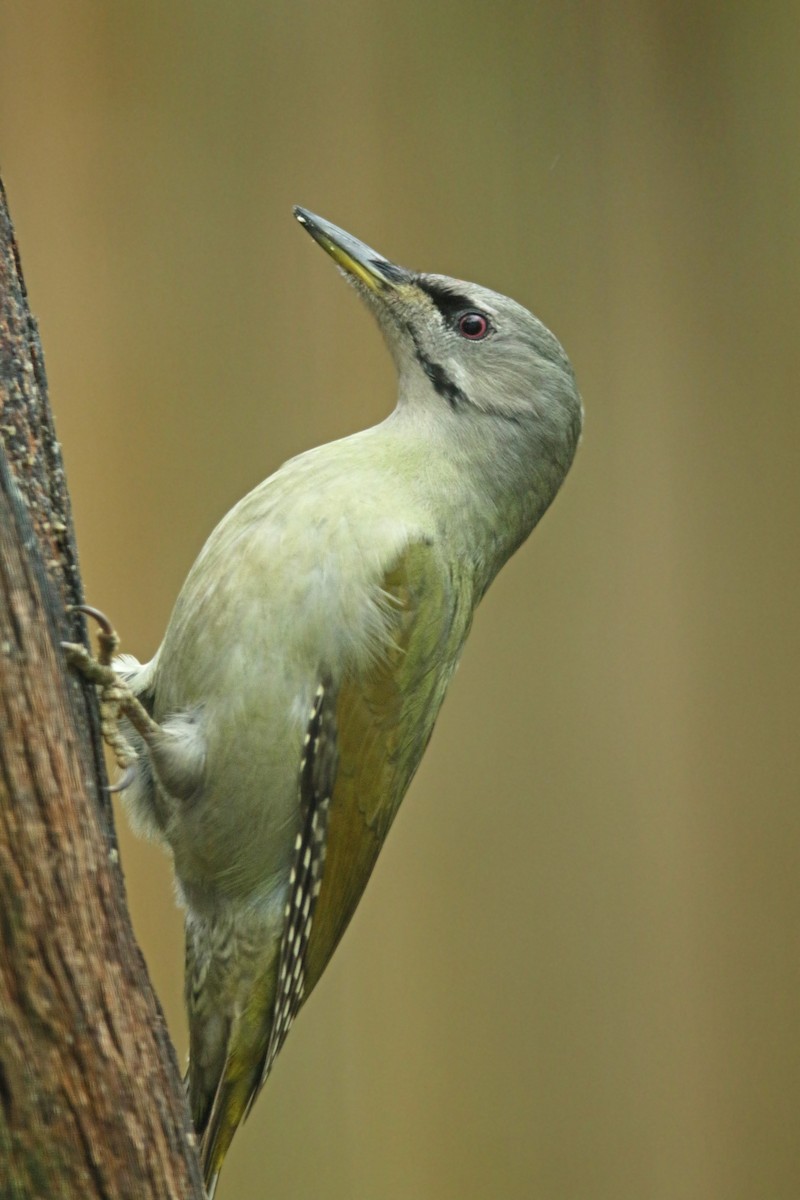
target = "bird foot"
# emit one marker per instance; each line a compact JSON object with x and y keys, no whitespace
{"x":116,"y":698}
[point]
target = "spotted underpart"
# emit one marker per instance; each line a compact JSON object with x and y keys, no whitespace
{"x":317,"y":776}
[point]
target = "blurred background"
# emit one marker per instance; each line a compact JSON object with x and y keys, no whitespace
{"x":575,"y":974}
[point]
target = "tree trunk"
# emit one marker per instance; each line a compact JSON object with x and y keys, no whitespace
{"x":91,"y":1100}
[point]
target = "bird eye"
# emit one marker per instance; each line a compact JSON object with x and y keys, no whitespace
{"x":473,"y":325}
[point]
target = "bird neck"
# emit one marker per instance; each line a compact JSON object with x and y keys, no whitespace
{"x":479,"y":476}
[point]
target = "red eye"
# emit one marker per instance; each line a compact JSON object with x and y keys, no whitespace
{"x":473,"y":325}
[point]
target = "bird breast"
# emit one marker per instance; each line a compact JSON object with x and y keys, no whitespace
{"x":287,"y":587}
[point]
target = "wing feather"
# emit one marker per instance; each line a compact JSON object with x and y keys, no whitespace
{"x":357,"y":763}
{"x":384,"y":719}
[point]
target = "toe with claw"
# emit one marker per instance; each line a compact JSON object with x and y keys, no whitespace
{"x":116,"y":698}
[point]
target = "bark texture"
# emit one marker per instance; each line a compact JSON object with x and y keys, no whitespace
{"x":91,"y":1100}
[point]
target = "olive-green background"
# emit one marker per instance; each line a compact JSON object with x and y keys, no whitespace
{"x":575,"y":975}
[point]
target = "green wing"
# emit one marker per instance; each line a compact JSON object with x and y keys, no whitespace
{"x":384,"y":719}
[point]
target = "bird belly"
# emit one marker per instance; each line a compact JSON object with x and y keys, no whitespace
{"x":261,"y":617}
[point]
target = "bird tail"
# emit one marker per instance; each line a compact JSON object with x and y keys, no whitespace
{"x":244,"y":986}
{"x":226,"y":1056}
{"x":239,"y":1080}
{"x":231,"y":1101}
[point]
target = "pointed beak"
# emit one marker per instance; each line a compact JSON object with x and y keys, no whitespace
{"x":358,"y":259}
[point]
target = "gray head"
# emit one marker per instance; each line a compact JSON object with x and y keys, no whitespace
{"x":475,"y":357}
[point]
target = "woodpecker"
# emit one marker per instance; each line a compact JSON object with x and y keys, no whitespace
{"x":270,"y":740}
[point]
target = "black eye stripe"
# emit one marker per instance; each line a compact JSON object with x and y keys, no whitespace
{"x":450,"y":304}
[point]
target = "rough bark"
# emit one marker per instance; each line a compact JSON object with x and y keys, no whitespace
{"x":91,"y":1101}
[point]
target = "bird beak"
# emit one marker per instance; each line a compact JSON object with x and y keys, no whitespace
{"x":356,"y":258}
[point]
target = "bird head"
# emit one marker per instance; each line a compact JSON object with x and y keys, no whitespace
{"x":468,"y":356}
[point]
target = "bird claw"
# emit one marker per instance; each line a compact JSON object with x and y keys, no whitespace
{"x":107,"y":638}
{"x":125,"y":780}
{"x":116,"y":698}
